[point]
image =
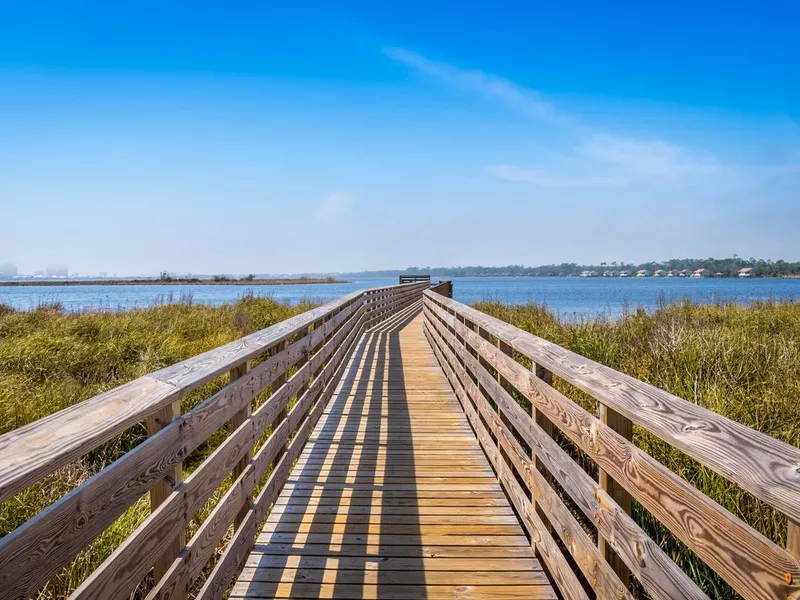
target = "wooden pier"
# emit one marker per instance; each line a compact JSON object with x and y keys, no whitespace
{"x":393,"y":497}
{"x":397,"y":444}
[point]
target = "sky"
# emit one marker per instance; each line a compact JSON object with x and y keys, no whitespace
{"x":319,"y":137}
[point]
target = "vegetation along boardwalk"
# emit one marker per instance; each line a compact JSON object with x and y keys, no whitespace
{"x":397,"y":444}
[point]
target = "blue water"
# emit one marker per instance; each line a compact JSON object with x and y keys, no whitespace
{"x":567,"y":296}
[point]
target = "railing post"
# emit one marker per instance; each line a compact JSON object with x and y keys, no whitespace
{"x":276,"y":384}
{"x":624,"y":427}
{"x":235,"y":422}
{"x":172,"y":478}
{"x":545,"y":425}
{"x":793,"y":538}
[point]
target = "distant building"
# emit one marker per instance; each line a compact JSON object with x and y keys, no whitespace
{"x":611,"y":273}
{"x":658,"y":273}
{"x":672,"y":273}
{"x":60,"y":271}
{"x":103,"y":275}
{"x":699,"y":273}
{"x":684,"y":273}
{"x":718,"y":274}
{"x":624,"y":273}
{"x":643,"y":273}
{"x":746,"y":272}
{"x":588,"y":273}
{"x":8,"y":270}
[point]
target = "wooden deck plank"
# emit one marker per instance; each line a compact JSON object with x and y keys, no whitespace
{"x":392,"y":496}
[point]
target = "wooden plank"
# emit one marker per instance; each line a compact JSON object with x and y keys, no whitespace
{"x":30,"y":453}
{"x":624,"y":427}
{"x":159,"y":493}
{"x":369,"y":562}
{"x":306,"y":574}
{"x":237,"y":420}
{"x":389,"y":592}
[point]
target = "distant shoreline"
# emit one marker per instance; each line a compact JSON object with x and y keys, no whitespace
{"x":244,"y":282}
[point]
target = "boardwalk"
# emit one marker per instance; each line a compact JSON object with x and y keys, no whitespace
{"x":398,"y":454}
{"x":392,"y":497}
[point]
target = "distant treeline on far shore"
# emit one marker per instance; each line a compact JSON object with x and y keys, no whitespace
{"x":726,"y":267}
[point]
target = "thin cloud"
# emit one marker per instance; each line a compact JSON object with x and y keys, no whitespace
{"x":491,"y":87}
{"x":334,"y":206}
{"x":595,"y":158}
{"x":545,"y":179}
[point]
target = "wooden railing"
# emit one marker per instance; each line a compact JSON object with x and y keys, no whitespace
{"x":296,"y":363}
{"x":483,"y":359}
{"x":443,"y":288}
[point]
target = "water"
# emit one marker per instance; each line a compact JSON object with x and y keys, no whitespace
{"x":567,"y":296}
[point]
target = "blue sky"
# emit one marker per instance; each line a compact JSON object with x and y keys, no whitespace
{"x":267,"y":137}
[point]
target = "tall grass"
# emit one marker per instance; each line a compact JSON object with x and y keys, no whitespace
{"x":50,"y":360}
{"x":742,"y":362}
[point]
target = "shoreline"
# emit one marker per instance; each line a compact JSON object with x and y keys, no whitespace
{"x":244,"y":282}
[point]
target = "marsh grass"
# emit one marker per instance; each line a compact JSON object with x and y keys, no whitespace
{"x":742,"y":362}
{"x":50,"y":359}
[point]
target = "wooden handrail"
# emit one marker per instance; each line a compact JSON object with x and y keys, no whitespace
{"x":753,"y":565}
{"x":312,"y":347}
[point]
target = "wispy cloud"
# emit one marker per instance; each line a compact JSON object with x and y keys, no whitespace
{"x":594,"y":158}
{"x":491,"y":87}
{"x":334,"y":206}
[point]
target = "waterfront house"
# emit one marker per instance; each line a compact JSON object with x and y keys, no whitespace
{"x":746,"y":272}
{"x":658,"y":273}
{"x":718,"y":274}
{"x":588,"y":273}
{"x":643,"y":273}
{"x":672,"y":273}
{"x":699,"y":273}
{"x":684,"y":273}
{"x":611,"y":273}
{"x":624,"y":273}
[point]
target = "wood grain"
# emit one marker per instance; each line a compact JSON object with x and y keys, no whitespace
{"x":753,"y":565}
{"x":760,"y":464}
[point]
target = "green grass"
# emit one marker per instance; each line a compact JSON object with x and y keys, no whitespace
{"x":50,"y":360}
{"x":742,"y":362}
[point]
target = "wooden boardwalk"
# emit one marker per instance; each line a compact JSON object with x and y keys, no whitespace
{"x":392,"y":497}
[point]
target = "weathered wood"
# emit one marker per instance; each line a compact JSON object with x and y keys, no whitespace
{"x":159,"y":493}
{"x":541,"y":539}
{"x":239,"y":418}
{"x":760,"y":464}
{"x":232,"y":559}
{"x":185,"y":570}
{"x":29,"y":453}
{"x":649,"y":482}
{"x":656,"y":571}
{"x":35,"y":450}
{"x":624,"y":427}
{"x":356,"y":482}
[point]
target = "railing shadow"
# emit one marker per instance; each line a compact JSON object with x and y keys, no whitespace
{"x":328,"y":539}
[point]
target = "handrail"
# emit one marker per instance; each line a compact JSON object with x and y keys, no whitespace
{"x":480,"y":355}
{"x":303,"y":358}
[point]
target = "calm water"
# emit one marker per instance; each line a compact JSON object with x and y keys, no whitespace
{"x":567,"y":296}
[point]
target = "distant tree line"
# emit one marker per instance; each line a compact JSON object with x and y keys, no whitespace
{"x":727,"y":266}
